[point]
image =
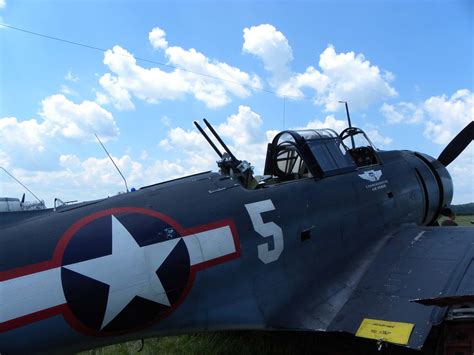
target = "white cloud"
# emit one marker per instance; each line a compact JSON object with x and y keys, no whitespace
{"x":101,"y":98}
{"x":71,"y":77}
{"x":166,"y":121}
{"x":197,"y":154}
{"x":3,"y":4}
{"x":342,"y":76}
{"x":119,"y":95}
{"x":24,"y":136}
{"x":329,"y":122}
{"x":69,"y":161}
{"x":61,"y":118}
{"x":157,"y":38}
{"x":376,"y":137}
{"x":246,"y":138}
{"x":4,"y":159}
{"x":163,"y":170}
{"x":391,"y":114}
{"x":406,"y":112}
{"x":271,"y":46}
{"x":64,"y":118}
{"x":448,"y":115}
{"x":78,"y":179}
{"x":187,"y":140}
{"x":144,"y":155}
{"x":442,"y":116}
{"x":99,"y":172}
{"x":66,"y":90}
{"x":209,"y":81}
{"x":243,"y":127}
{"x":352,"y":78}
{"x":92,"y":177}
{"x":94,"y":170}
{"x":241,"y":132}
{"x":311,"y":78}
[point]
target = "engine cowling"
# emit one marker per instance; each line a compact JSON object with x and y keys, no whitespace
{"x":436,"y":184}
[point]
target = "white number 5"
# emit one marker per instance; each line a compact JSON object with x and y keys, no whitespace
{"x":266,"y":230}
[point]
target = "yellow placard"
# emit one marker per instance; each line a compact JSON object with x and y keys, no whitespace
{"x":392,"y":332}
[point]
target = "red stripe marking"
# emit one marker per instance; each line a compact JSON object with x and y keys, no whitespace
{"x":32,"y":317}
{"x":61,"y":247}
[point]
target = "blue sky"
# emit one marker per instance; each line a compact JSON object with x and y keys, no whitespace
{"x":405,"y":67}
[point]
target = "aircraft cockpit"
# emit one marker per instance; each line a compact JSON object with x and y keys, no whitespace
{"x":307,"y":153}
{"x":359,"y":147}
{"x":297,"y":154}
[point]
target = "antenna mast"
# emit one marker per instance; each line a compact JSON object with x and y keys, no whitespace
{"x":349,"y":121}
{"x":116,"y":167}
{"x":18,"y":181}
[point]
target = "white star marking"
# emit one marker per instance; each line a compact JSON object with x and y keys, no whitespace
{"x":129,"y":271}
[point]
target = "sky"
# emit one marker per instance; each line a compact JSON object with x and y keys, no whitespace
{"x":252,"y":68}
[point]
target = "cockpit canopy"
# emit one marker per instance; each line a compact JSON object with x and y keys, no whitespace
{"x":317,"y":152}
{"x":359,"y":146}
{"x":297,"y":154}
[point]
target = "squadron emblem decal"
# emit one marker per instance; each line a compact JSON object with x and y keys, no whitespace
{"x":116,"y":270}
{"x":371,"y":175}
{"x":374,"y":177}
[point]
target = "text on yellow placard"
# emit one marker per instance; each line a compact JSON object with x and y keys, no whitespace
{"x":392,"y":332}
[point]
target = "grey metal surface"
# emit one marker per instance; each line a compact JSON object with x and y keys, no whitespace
{"x":418,"y":262}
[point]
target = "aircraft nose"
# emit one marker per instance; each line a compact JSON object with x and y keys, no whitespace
{"x":436,"y":183}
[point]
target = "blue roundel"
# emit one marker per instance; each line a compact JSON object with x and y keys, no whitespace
{"x":88,"y":298}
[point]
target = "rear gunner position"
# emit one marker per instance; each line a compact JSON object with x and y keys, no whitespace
{"x":336,"y":236}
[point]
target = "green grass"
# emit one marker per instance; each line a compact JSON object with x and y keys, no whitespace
{"x":215,"y":343}
{"x":462,"y":220}
{"x":256,"y":342}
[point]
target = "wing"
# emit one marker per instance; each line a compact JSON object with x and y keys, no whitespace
{"x":417,"y":263}
{"x":412,"y":278}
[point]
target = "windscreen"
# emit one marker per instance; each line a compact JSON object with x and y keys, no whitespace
{"x":331,"y":154}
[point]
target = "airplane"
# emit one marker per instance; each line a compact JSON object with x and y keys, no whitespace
{"x":336,"y":236}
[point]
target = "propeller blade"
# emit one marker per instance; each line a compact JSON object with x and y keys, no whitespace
{"x":457,"y":145}
{"x":23,"y":199}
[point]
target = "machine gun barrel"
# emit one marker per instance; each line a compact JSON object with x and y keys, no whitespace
{"x":232,"y":156}
{"x":208,"y":139}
